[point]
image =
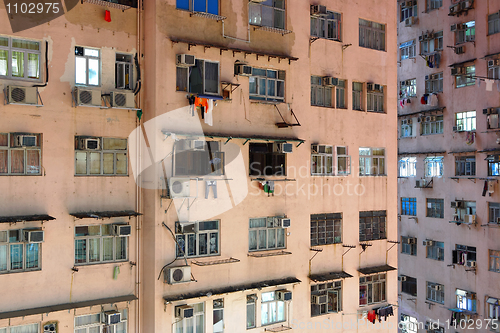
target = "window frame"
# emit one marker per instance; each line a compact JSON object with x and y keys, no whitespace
{"x":9,"y":328}
{"x":189,"y":162}
{"x":87,"y":72}
{"x":197,"y":245}
{"x":467,"y":34}
{"x":433,"y":295}
{"x":466,"y":252}
{"x":493,"y":212}
{"x":406,"y":248}
{"x":369,"y":159}
{"x":432,"y":45}
{"x":252,"y":303}
{"x":257,"y":96}
{"x":101,"y":239}
{"x":436,"y":251}
{"x":408,"y":324}
{"x":316,"y":229}
{"x":93,"y":323}
{"x":493,"y":165}
{"x":277,"y":169}
{"x":102,"y":152}
{"x":435,"y":206}
{"x":267,"y":228}
{"x":465,"y":121}
{"x":433,"y":4}
{"x":10,"y":49}
{"x":409,"y":165}
{"x":409,"y":206}
{"x":465,"y":165}
{"x":467,"y":79}
{"x":369,"y":229}
{"x":9,"y":149}
{"x":341,"y":94}
{"x":321,"y":95}
{"x":408,"y":88}
{"x":407,"y":50}
{"x":346,"y":157}
{"x":432,"y":127}
{"x":434,"y":166}
{"x":191,"y":7}
{"x":494,"y":23}
{"x":130,"y":71}
{"x":407,"y":12}
{"x":255,"y":14}
{"x":320,"y":26}
{"x":269,"y":306}
{"x":434,"y":83}
{"x":467,"y":297}
{"x":186,"y":322}
{"x":372,"y":35}
{"x":409,"y":285}
{"x":375,"y":101}
{"x":494,"y":261}
{"x":9,"y":245}
{"x":325,"y":289}
{"x":325,"y":158}
{"x":357,"y":96}
{"x":368,"y":282}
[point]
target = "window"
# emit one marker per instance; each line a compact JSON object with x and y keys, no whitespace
{"x":435,"y":208}
{"x":326,"y":229}
{"x":465,"y":166}
{"x":463,"y":253}
{"x":494,"y":71}
{"x":203,"y":6}
{"x":435,"y":250}
{"x":493,"y":165}
{"x":265,"y":161}
{"x":92,"y":324}
{"x":409,"y":245}
{"x":20,"y":154}
{"x":493,"y":311}
{"x":371,"y":35}
{"x":467,"y":79}
{"x":266,"y":234}
{"x":409,"y":206}
{"x":408,"y":11}
{"x":97,"y":156}
{"x":371,"y":161}
{"x":434,"y":4}
{"x":251,"y":311}
{"x":494,"y":261}
{"x":372,"y":289}
{"x":434,"y":166}
{"x":320,"y":95}
{"x":431,"y":125}
{"x":375,"y":99}
{"x":466,"y":300}
{"x":407,"y":50}
{"x":408,"y":88}
{"x":327,"y":26}
{"x":194,"y":324}
{"x":343,"y":161}
{"x":98,"y":244}
{"x":433,"y":327}
{"x":198,"y":158}
{"x":493,"y":23}
{"x":431,"y":43}
{"x":321,"y":160}
{"x":434,"y":83}
{"x":408,"y":167}
{"x":17,"y":254}
{"x":202,"y":78}
{"x":340,"y":94}
{"x":406,"y":128}
{"x":218,"y":318}
{"x":357,"y":96}
{"x":435,"y":292}
{"x":494,"y":212}
{"x":201,"y":241}
{"x":409,"y":285}
{"x":267,"y":85}
{"x":465,"y":32}
{"x":372,"y":225}
{"x":19,"y":59}
{"x":271,"y":311}
{"x":408,"y":324}
{"x":123,"y":71}
{"x":32,"y":328}
{"x":326,"y":298}
{"x":87,"y":66}
{"x":465,"y":121}
{"x":269,"y":13}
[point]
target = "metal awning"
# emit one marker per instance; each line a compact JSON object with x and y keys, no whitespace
{"x":25,"y":218}
{"x":66,"y":306}
{"x":462,"y":152}
{"x":490,"y":150}
{"x":234,"y":49}
{"x":440,"y":109}
{"x":238,"y":136}
{"x":467,"y":312}
{"x":329,"y":276}
{"x":232,"y":289}
{"x":491,"y":55}
{"x":104,"y":215}
{"x":422,"y":153}
{"x":461,"y":63}
{"x":376,"y":269}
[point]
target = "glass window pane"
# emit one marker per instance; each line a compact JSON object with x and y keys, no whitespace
{"x":121,"y":163}
{"x":121,"y":248}
{"x":17,"y":161}
{"x":4,"y":64}
{"x":264,"y":314}
{"x":25,"y":44}
{"x":81,"y":163}
{"x":262,"y":239}
{"x":93,"y":72}
{"x":80,"y":251}
{"x":95,"y":163}
{"x":203,"y":244}
{"x":16,"y":256}
{"x":4,"y":168}
{"x":281,"y":238}
{"x":107,"y":249}
{"x":214,"y":243}
{"x":91,"y":52}
{"x":81,"y":70}
{"x":250,"y":315}
{"x":33,"y":66}
{"x":17,"y":64}
{"x":271,"y":240}
{"x":32,"y":255}
{"x":107,"y":163}
{"x":33,"y":161}
{"x":94,"y":249}
{"x":3,"y":257}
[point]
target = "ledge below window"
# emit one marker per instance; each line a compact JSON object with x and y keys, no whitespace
{"x":268,"y":254}
{"x":208,"y":16}
{"x":272,"y":29}
{"x":278,"y":329}
{"x":215,"y":262}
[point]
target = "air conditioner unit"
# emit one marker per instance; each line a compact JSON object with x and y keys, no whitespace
{"x":470,"y":219}
{"x":185,"y":227}
{"x":404,"y":122}
{"x":242,"y":69}
{"x":468,"y":4}
{"x":50,"y":327}
{"x":179,"y":187}
{"x":403,"y":278}
{"x":438,"y":287}
{"x":314,"y":149}
{"x":284,"y":222}
{"x":428,"y":243}
{"x":460,"y":49}
{"x":111,"y":317}
{"x":199,"y":145}
{"x":318,"y":10}
{"x":433,"y":118}
{"x":283,"y":295}
{"x":421,"y":38}
{"x":409,"y":121}
{"x":491,"y":63}
{"x":91,"y":144}
{"x":455,"y":71}
{"x":185,"y":60}
{"x":369,"y":86}
{"x":88,"y":97}
{"x":420,"y":183}
{"x":329,"y":81}
{"x":470,"y":263}
{"x":122,"y":99}
{"x":282,"y":147}
{"x":410,"y":240}
{"x":453,"y":9}
{"x":430,"y":35}
{"x":456,"y":204}
{"x":22,"y":95}
{"x":408,"y":22}
{"x":378,"y":87}
{"x":122,"y":229}
{"x":319,"y":299}
{"x":179,"y":274}
{"x":25,"y":140}
{"x":184,"y":311}
{"x":33,"y":236}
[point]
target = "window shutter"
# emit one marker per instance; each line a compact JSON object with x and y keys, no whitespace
{"x":455,"y":257}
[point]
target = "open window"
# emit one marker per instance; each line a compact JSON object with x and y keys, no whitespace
{"x":201,"y":78}
{"x":198,"y":158}
{"x":326,"y":298}
{"x":266,"y":160}
{"x":123,"y":71}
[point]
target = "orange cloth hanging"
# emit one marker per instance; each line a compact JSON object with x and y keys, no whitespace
{"x":201,"y":102}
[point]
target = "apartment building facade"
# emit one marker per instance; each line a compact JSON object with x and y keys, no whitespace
{"x":228,"y":166}
{"x":448,"y":157}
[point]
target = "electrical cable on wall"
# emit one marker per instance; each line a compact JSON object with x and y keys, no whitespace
{"x":178,"y":246}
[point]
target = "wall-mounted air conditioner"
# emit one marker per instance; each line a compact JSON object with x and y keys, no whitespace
{"x":122,"y":229}
{"x":185,"y":227}
{"x":184,"y":311}
{"x":410,"y":240}
{"x":122,"y":99}
{"x":89,"y":143}
{"x":179,"y":187}
{"x":470,"y":219}
{"x":421,"y":183}
{"x":242,"y":69}
{"x":198,"y":145}
{"x":470,"y":263}
{"x":87,"y":97}
{"x":329,"y":81}
{"x":314,"y":149}
{"x":456,"y":204}
{"x":111,"y":317}
{"x":33,"y":236}
{"x":438,"y":287}
{"x":318,"y":10}
{"x":50,"y":327}
{"x":285,"y":222}
{"x":179,"y":274}
{"x":282,"y":147}
{"x":185,"y":60}
{"x":428,"y":243}
{"x":319,"y":299}
{"x":22,"y":95}
{"x":24,"y":140}
{"x":283,"y":295}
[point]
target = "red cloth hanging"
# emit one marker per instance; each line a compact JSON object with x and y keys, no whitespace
{"x":371,"y":316}
{"x":107,"y":16}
